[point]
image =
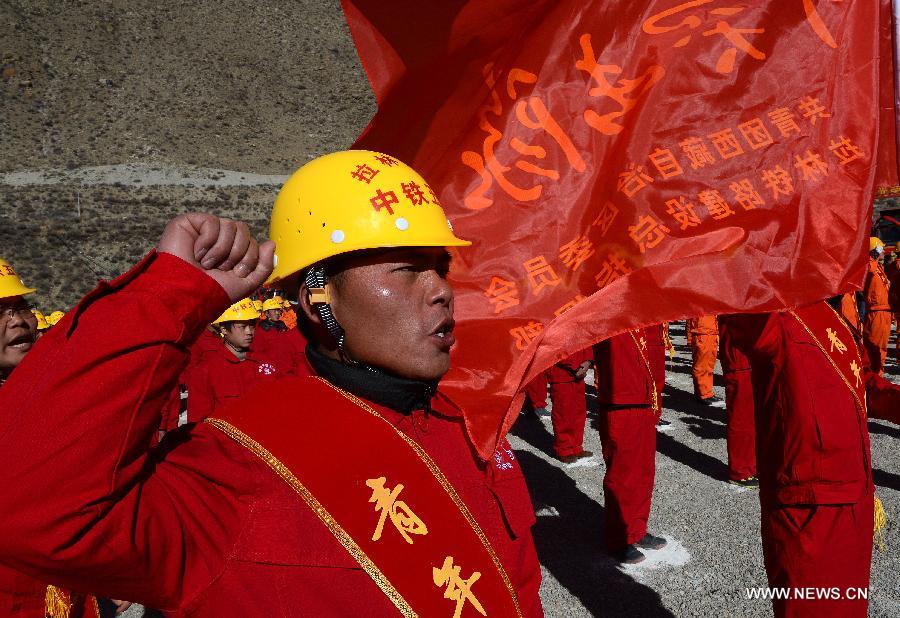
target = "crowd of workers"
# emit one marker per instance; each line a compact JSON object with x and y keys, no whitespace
{"x":207,"y":483}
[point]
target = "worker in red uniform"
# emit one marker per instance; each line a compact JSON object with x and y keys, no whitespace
{"x":569,"y":413}
{"x":812,"y":388}
{"x":629,"y":409}
{"x":536,"y":391}
{"x":877,"y":326}
{"x":354,"y":492}
{"x":234,"y":366}
{"x":892,"y":270}
{"x":22,"y":596}
{"x":274,"y":338}
{"x":704,"y":343}
{"x":740,"y":430}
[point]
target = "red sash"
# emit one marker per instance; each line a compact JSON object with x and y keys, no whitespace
{"x":383,"y":499}
{"x":829,"y":331}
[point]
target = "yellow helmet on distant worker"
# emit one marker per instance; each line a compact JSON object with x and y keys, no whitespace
{"x":41,"y":320}
{"x":10,"y":283}
{"x":275,"y":302}
{"x":55,"y":317}
{"x":875,"y":243}
{"x":351,"y":200}
{"x":238,"y":312}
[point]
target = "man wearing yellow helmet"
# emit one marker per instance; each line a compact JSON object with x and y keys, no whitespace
{"x":356,"y":492}
{"x":234,"y":366}
{"x":18,"y":325}
{"x":21,"y":595}
{"x":877,"y":325}
{"x":273,"y":337}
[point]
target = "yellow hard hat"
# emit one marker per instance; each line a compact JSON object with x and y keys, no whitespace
{"x":875,"y":243}
{"x":275,"y":302}
{"x":55,"y":317}
{"x":257,"y":304}
{"x":10,"y":283}
{"x":239,"y":311}
{"x":351,"y":200}
{"x":41,"y":320}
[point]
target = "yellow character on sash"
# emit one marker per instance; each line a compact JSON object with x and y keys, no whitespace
{"x":835,"y":342}
{"x":405,"y":521}
{"x":458,"y":589}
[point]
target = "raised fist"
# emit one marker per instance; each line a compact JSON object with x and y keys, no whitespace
{"x":224,"y":249}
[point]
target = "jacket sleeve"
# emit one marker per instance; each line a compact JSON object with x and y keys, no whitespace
{"x":85,"y":502}
{"x":201,"y":399}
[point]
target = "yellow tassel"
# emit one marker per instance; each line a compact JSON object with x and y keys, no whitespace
{"x":880,"y":523}
{"x":57,"y":602}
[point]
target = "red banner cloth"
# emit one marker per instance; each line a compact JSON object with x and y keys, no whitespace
{"x":619,"y":164}
{"x":887,"y":183}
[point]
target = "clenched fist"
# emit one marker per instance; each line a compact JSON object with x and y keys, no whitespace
{"x":224,"y":249}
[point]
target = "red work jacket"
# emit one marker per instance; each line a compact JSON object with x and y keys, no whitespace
{"x":219,"y":378}
{"x":812,"y":437}
{"x":624,"y":377}
{"x":199,"y":526}
{"x":280,"y":343}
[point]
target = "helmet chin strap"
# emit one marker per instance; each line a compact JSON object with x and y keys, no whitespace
{"x":318,"y":293}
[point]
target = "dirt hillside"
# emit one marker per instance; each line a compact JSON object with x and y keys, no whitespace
{"x":219,"y":85}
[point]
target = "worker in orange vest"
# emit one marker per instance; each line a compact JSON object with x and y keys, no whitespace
{"x":877,"y":325}
{"x":705,"y":345}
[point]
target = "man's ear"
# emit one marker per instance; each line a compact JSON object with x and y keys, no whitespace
{"x":305,"y":302}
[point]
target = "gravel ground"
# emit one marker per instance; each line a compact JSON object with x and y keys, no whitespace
{"x":714,"y":550}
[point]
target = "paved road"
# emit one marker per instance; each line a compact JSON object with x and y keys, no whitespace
{"x":714,"y":551}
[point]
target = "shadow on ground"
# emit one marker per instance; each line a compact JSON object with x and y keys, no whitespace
{"x":569,"y":532}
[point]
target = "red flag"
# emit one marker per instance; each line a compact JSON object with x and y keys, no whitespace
{"x":623,"y":163}
{"x":887,"y":183}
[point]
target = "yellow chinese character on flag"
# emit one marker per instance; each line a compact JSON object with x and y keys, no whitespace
{"x":784,"y":121}
{"x":648,"y":232}
{"x":746,"y":195}
{"x":666,"y":163}
{"x":623,"y":91}
{"x":540,"y":274}
{"x":716,"y":205}
{"x":632,"y":180}
{"x":812,"y":109}
{"x":502,"y":294}
{"x":606,"y":218}
{"x":697,"y":152}
{"x":811,"y":165}
{"x":683,"y":212}
{"x":524,"y":335}
{"x":845,"y":150}
{"x":779,"y":181}
{"x":612,"y":268}
{"x":573,"y":254}
{"x":755,"y":134}
{"x":735,"y":36}
{"x":726,"y":144}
